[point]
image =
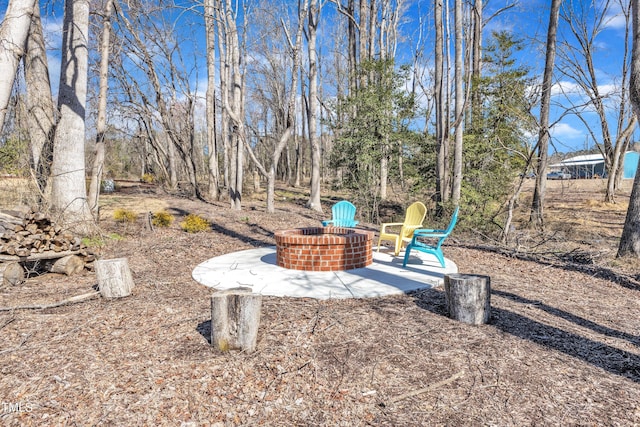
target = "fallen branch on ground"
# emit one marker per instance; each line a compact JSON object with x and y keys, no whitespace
{"x":72,"y":300}
{"x":425,"y":389}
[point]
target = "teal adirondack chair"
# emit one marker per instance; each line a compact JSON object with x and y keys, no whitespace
{"x":343,"y":214}
{"x":418,"y":242}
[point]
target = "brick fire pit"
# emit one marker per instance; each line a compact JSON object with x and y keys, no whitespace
{"x":323,"y":248}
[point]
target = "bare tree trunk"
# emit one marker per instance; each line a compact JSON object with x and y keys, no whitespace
{"x":303,"y":131}
{"x":40,"y":106}
{"x":384,"y":171}
{"x":447,"y":95}
{"x":441,"y":172}
{"x":363,"y":39}
{"x":630,"y":239}
{"x":232,"y":103}
{"x":617,"y":159}
{"x":173,"y":165}
{"x":312,"y":114}
{"x":225,"y":73}
{"x":476,"y":66}
{"x":459,"y":94}
{"x":352,"y":48}
{"x":212,"y":142}
{"x":537,"y":204}
{"x":13,"y":33}
{"x":101,"y":124}
{"x":68,"y":185}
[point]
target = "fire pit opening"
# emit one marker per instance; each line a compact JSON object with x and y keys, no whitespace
{"x":323,"y":248}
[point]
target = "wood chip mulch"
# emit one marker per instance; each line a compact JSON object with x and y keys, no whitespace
{"x":562,"y":346}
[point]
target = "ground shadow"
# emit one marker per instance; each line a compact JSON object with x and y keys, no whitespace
{"x":596,"y":353}
{"x":581,"y":321}
{"x":592,"y":270}
{"x":244,"y":238}
{"x":270,"y":258}
{"x":177,"y":211}
{"x":611,"y":359}
{"x":204,"y":329}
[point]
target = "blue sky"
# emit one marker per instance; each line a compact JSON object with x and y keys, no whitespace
{"x":528,"y":20}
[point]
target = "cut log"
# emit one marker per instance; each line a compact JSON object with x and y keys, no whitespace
{"x":10,"y":218}
{"x":468,"y":297}
{"x":114,"y":277}
{"x":11,"y":273}
{"x":235,"y":318}
{"x":69,"y":265}
{"x":37,"y":257}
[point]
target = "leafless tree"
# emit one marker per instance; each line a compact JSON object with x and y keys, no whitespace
{"x":40,"y":106}
{"x":286,"y":115}
{"x":313,"y":106}
{"x":101,"y":124}
{"x":13,"y":39}
{"x":232,"y":88}
{"x":459,"y":105}
{"x":211,"y":119}
{"x":537,"y":205}
{"x":153,"y":45}
{"x":442,"y":138}
{"x":585,"y":21}
{"x":68,"y":185}
{"x":630,"y":239}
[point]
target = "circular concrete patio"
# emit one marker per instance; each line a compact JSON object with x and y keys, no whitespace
{"x":256,"y":269}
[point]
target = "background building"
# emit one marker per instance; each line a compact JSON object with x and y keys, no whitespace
{"x":592,"y":165}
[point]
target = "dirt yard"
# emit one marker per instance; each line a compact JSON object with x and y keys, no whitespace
{"x":562,"y":347}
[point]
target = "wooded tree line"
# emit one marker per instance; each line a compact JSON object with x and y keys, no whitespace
{"x":205,"y":97}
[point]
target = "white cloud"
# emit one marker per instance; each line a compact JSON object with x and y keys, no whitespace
{"x":615,"y":18}
{"x":566,"y":88}
{"x":565,"y":132}
{"x":52,"y":28}
{"x":572,"y":90}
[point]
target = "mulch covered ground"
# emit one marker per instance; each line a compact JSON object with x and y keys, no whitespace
{"x":562,"y":347}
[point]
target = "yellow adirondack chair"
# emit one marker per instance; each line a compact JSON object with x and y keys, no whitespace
{"x":413,"y":220}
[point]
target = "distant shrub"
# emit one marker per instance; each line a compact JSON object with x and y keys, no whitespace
{"x":148,"y":178}
{"x":13,"y":156}
{"x":100,"y":241}
{"x":162,"y":219}
{"x":124,"y":215}
{"x":194,"y":224}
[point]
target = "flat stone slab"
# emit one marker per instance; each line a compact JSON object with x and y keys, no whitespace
{"x":256,"y":269}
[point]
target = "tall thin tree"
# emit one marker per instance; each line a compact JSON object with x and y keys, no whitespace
{"x":459,"y":106}
{"x":439,"y":101}
{"x":210,"y":101}
{"x":537,"y":205}
{"x":101,"y":123}
{"x":313,"y":107}
{"x":630,"y":239}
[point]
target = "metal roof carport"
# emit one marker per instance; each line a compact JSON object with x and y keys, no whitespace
{"x":584,"y":166}
{"x":591,"y":165}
